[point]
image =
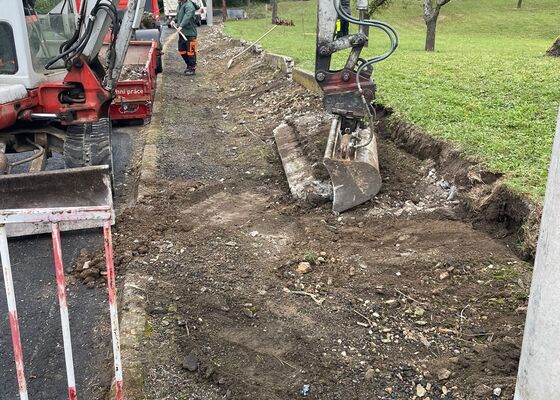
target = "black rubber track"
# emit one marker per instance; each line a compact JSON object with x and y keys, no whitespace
{"x":89,"y":144}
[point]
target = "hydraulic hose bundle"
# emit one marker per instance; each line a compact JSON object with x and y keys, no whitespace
{"x":393,"y":44}
{"x":73,"y":48}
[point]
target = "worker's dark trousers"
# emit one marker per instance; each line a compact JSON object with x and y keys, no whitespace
{"x":187,"y":50}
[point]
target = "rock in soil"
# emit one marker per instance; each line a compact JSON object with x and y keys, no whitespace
{"x":190,"y":363}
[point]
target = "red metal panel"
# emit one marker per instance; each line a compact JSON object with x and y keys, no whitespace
{"x":94,"y":106}
{"x":134,"y":98}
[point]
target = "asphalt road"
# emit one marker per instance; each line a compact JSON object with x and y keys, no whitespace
{"x":37,"y":302}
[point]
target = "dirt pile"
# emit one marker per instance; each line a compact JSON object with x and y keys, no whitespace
{"x":253,"y":295}
{"x":131,"y":72}
{"x":554,"y":50}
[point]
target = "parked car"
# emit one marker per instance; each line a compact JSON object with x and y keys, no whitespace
{"x":170,"y":7}
{"x":201,"y":14}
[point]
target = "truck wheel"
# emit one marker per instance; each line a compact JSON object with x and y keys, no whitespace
{"x":88,"y":145}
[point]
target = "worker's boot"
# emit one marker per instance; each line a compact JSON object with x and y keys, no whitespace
{"x":189,"y":72}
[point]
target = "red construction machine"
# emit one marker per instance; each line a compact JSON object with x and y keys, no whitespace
{"x":59,"y":74}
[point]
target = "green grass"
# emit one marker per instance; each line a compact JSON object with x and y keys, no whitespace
{"x":488,"y":88}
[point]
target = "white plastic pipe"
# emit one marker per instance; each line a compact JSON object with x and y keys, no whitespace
{"x":538,"y":377}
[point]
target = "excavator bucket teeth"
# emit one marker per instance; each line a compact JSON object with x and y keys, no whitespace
{"x":62,"y":189}
{"x":355,"y":180}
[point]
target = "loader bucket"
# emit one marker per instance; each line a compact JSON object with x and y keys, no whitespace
{"x":68,"y":190}
{"x":355,"y":179}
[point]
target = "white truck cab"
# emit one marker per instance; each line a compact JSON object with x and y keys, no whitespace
{"x":170,"y":9}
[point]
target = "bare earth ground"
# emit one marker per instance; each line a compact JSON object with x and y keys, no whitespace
{"x":401,"y":298}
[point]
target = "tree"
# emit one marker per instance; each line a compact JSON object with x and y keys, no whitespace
{"x":431,"y":14}
{"x":224,"y":10}
{"x":519,"y":3}
{"x":376,"y":5}
{"x":554,"y":50}
{"x":274,"y":7}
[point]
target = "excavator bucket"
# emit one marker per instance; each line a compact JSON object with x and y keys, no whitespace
{"x":69,"y":191}
{"x":354,"y":174}
{"x":355,"y":178}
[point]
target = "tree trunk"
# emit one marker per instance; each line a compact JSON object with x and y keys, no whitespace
{"x":431,"y":34}
{"x":224,"y":10}
{"x":248,"y":3}
{"x":554,"y":50}
{"x":519,"y":3}
{"x":274,"y":6}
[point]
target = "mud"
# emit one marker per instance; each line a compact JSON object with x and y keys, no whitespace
{"x":253,"y":295}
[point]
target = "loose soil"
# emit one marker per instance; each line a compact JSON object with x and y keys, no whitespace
{"x":252,"y":295}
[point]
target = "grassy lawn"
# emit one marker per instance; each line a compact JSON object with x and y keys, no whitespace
{"x":488,"y":88}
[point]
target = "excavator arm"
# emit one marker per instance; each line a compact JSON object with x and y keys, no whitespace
{"x":350,"y":157}
{"x":351,"y":152}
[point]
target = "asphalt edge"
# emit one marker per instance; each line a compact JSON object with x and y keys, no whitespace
{"x":133,"y":315}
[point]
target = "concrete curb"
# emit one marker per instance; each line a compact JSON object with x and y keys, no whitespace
{"x":149,"y":157}
{"x":133,"y":324}
{"x":277,"y":61}
{"x":306,"y":79}
{"x":133,"y":302}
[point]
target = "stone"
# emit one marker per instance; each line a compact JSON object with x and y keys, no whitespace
{"x":443,"y":275}
{"x":419,"y":311}
{"x":481,"y":391}
{"x":369,"y":375}
{"x":420,"y":390}
{"x":93,"y":272}
{"x":303,"y":267}
{"x":190,"y":363}
{"x":443,"y":374}
{"x":497,"y":392}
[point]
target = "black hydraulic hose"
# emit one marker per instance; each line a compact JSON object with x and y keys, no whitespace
{"x":81,"y":18}
{"x":386,"y":28}
{"x":78,"y":46}
{"x":393,"y":44}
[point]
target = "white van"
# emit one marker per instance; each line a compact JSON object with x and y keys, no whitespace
{"x":201,"y":13}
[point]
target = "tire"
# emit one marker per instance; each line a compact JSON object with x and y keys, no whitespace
{"x":89,"y":145}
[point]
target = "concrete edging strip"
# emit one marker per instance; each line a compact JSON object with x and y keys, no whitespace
{"x":133,"y":301}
